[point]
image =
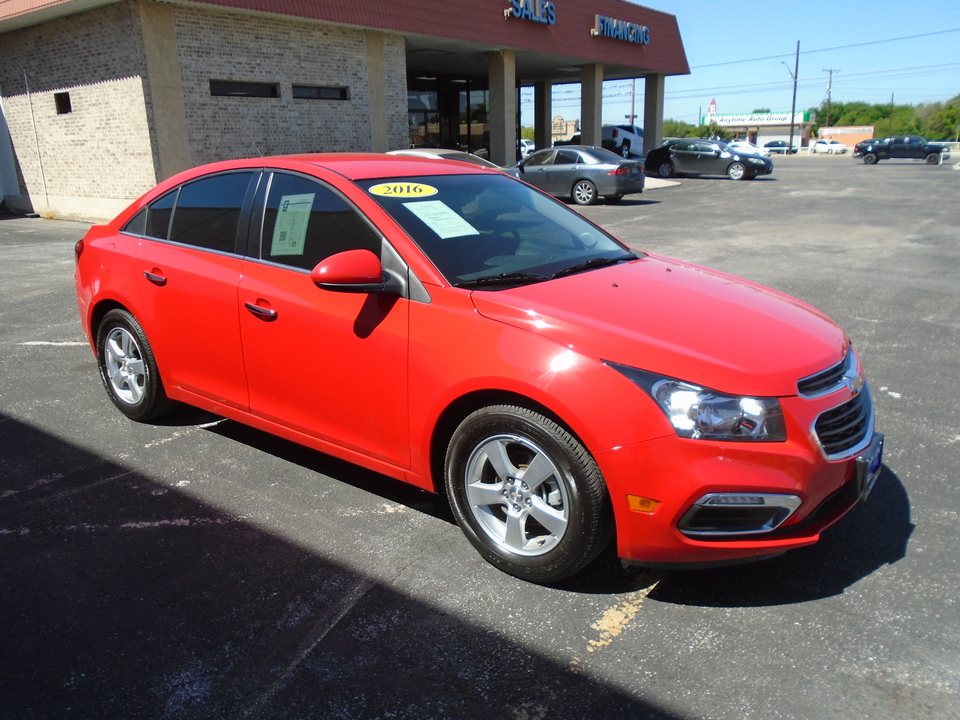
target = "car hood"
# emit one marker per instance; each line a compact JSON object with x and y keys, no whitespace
{"x":680,"y":320}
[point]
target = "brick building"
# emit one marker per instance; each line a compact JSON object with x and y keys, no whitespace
{"x":101,"y":99}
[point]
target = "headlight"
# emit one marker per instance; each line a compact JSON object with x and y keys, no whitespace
{"x":700,"y":413}
{"x":757,"y":161}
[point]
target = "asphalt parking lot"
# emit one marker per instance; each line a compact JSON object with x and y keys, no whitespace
{"x":200,"y":569}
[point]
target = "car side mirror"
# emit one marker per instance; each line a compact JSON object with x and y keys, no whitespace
{"x":355,"y":271}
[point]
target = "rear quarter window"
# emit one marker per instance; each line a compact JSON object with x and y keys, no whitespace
{"x":153,"y":220}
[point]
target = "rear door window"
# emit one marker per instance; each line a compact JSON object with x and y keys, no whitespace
{"x":208,"y":211}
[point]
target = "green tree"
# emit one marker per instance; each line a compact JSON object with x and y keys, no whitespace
{"x":678,"y":129}
{"x":940,"y":121}
{"x":934,"y":121}
{"x":713,"y":131}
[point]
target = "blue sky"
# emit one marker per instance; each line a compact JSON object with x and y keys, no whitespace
{"x":737,"y":52}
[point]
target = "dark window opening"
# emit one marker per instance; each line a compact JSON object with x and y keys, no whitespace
{"x":242,"y":88}
{"x":62,"y":100}
{"x":157,"y":222}
{"x":320,"y":92}
{"x":208,"y":211}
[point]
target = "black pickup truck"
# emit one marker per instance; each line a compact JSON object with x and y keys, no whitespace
{"x":900,"y":146}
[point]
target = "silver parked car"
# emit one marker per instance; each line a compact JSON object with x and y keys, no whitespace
{"x":581,"y":173}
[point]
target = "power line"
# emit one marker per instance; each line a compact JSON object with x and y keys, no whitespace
{"x":810,"y":82}
{"x":839,"y":47}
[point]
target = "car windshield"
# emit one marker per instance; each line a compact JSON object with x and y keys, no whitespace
{"x":492,"y":231}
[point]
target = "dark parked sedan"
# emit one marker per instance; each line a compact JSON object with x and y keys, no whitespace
{"x":706,"y":157}
{"x":781,"y":146}
{"x":581,"y":173}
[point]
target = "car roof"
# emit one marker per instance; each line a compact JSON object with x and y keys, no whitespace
{"x":353,"y":166}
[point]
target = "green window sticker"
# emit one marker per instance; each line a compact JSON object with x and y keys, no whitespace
{"x":290,"y":232}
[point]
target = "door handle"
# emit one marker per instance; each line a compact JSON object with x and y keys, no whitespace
{"x":158,"y":280}
{"x":261,"y":312}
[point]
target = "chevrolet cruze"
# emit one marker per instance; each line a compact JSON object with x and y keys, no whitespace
{"x":455,"y":328}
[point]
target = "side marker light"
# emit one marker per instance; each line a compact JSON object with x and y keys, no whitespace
{"x":641,"y":504}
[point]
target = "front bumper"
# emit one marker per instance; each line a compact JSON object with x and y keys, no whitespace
{"x":676,"y":473}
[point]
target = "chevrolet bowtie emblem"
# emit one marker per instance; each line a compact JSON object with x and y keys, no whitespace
{"x":855,"y":383}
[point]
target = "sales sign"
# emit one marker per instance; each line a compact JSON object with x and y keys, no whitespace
{"x":541,"y":11}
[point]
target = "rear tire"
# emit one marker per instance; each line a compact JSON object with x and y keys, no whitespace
{"x":625,"y":150}
{"x":584,"y":192}
{"x":665,"y":169}
{"x":128,"y":369}
{"x":526,"y":493}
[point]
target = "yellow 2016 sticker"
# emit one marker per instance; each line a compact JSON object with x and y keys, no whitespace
{"x":403,"y":190}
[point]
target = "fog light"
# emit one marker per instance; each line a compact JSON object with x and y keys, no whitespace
{"x":718,"y":514}
{"x":641,"y":504}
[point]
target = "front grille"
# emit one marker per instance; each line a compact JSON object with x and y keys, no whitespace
{"x":826,"y":380}
{"x":846,"y":427}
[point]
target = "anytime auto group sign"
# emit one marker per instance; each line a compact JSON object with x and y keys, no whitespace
{"x":758,"y":119}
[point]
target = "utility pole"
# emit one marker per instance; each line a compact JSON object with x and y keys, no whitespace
{"x":890,"y":128}
{"x":829,"y":89}
{"x":793,"y":105}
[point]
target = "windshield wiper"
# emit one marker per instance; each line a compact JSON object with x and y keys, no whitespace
{"x":593,"y":264}
{"x":511,"y":278}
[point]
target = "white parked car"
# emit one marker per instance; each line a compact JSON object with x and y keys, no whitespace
{"x":829,"y":147}
{"x":526,"y":147}
{"x":748,"y":147}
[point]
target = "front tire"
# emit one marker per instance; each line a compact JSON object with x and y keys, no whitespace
{"x":584,"y":192}
{"x":736,"y":171}
{"x":526,"y":493}
{"x":933,"y":159}
{"x":128,"y":369}
{"x":870,"y":159}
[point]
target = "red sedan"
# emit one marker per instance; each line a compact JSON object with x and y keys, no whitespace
{"x":455,"y":328}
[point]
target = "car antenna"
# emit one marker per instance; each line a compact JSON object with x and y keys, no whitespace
{"x":250,"y":137}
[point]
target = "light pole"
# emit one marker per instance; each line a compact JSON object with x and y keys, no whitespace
{"x":793,"y":105}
